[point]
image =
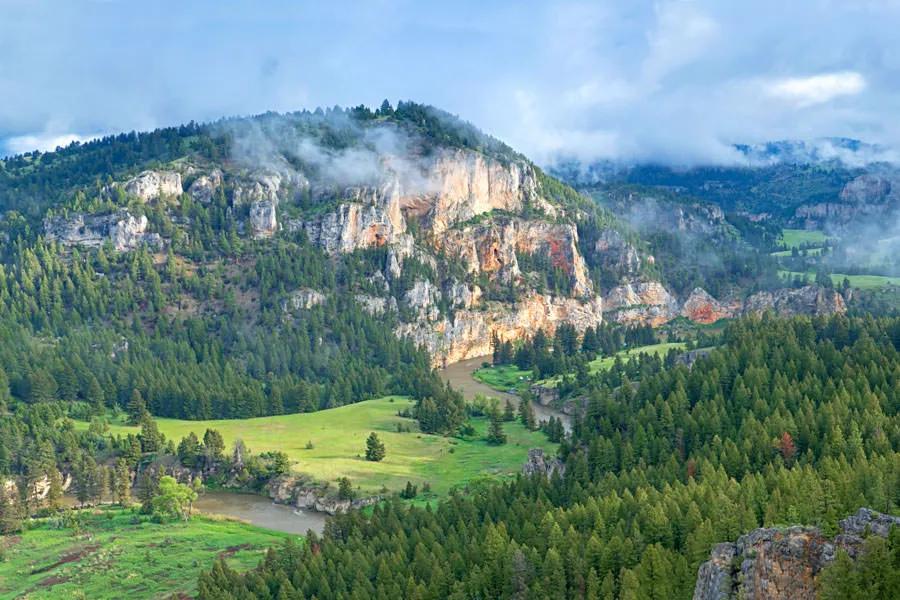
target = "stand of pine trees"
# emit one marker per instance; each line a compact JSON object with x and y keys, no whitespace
{"x":655,"y":476}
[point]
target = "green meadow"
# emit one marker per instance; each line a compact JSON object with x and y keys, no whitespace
{"x":791,"y":238}
{"x":116,"y":553}
{"x":863,"y":282}
{"x":338,"y":439}
{"x":504,"y":377}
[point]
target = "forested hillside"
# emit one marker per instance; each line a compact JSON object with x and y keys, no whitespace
{"x":789,"y":422}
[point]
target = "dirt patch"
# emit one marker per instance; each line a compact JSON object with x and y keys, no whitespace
{"x":67,"y":558}
{"x":232,"y":550}
{"x":51,"y":581}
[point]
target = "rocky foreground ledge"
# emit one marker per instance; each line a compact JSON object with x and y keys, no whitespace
{"x":773,"y":563}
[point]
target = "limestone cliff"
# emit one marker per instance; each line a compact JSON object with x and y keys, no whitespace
{"x":121,"y":229}
{"x":775,"y":564}
{"x":468,"y":333}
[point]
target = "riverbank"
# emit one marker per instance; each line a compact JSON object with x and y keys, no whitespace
{"x":460,"y":375}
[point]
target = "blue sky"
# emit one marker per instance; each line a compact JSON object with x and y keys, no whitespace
{"x":677,"y":81}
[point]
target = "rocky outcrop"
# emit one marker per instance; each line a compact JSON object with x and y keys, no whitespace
{"x":39,"y":489}
{"x":263,"y":219}
{"x":492,"y":248}
{"x":788,"y":302}
{"x":304,"y":298}
{"x":613,"y":253}
{"x":422,"y":298}
{"x":642,"y":302}
{"x":700,"y":307}
{"x":355,"y":225}
{"x":539,"y":464}
{"x":204,"y":187}
{"x":302,"y":493}
{"x":469,"y":333}
{"x":865,"y":197}
{"x":122,"y":229}
{"x":775,"y":564}
{"x":376,"y":305}
{"x":154,"y":184}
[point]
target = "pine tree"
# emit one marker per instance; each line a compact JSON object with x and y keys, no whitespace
{"x":509,"y":413}
{"x":137,"y":408}
{"x":375,"y":451}
{"x":55,"y":489}
{"x":495,"y":434}
{"x":345,"y":489}
{"x":526,"y":414}
{"x":121,"y":489}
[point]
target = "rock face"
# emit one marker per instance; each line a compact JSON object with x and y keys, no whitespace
{"x":538,"y":464}
{"x":205,"y":186}
{"x":867,"y":196}
{"x":774,"y":564}
{"x":648,"y":302}
{"x":304,"y":298}
{"x":469,"y":332}
{"x":263,"y":219}
{"x":700,"y":307}
{"x":300,"y":492}
{"x":122,"y":229}
{"x":492,"y":248}
{"x":617,"y":254}
{"x":154,"y":184}
{"x":643,"y":302}
{"x":808,"y":300}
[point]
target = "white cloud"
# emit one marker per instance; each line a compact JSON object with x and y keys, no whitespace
{"x":44,"y":142}
{"x":817,"y":89}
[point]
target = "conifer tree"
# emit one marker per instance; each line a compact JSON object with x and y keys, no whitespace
{"x":375,"y":450}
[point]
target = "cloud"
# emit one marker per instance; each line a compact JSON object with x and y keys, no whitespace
{"x":817,"y":89}
{"x":44,"y":142}
{"x":668,"y":80}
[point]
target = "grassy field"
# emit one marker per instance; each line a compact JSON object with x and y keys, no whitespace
{"x":339,"y":439}
{"x":503,"y":377}
{"x":809,"y":252}
{"x":118,"y":554}
{"x":604,"y":363}
{"x":791,"y":238}
{"x":863,"y":282}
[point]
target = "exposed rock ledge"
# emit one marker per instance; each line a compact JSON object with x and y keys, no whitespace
{"x":648,"y":302}
{"x":122,"y":229}
{"x":775,"y":564}
{"x":302,"y":493}
{"x":470,"y":332}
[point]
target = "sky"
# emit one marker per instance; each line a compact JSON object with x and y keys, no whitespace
{"x":669,"y":81}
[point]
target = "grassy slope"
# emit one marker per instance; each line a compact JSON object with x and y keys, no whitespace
{"x":339,"y":435}
{"x":797,"y":237}
{"x":504,"y":377}
{"x":113,"y":558}
{"x":863,"y":282}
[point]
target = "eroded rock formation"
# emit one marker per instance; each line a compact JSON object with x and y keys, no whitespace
{"x":154,"y":184}
{"x":776,"y":564}
{"x":122,"y":229}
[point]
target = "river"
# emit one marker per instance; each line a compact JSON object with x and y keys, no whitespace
{"x":252,"y":508}
{"x":260,"y":511}
{"x":459,"y":375}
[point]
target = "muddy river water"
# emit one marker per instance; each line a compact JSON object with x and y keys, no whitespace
{"x":459,"y":375}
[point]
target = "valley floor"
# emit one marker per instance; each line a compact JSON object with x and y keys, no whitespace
{"x":338,"y":439}
{"x":116,"y":553}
